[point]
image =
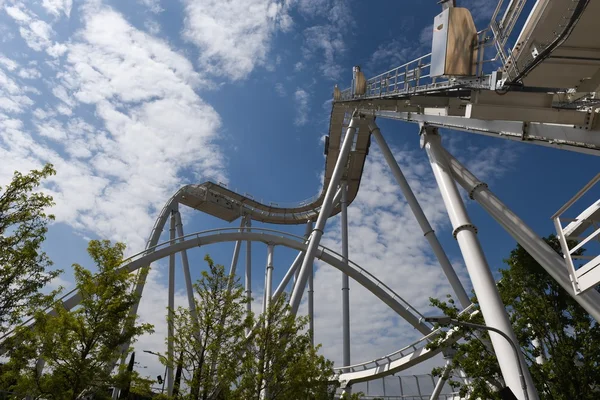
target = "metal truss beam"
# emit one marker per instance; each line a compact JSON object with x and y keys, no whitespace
{"x":564,"y":137}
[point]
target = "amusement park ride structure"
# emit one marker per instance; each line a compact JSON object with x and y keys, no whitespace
{"x":544,"y":90}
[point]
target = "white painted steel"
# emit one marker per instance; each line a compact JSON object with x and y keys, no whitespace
{"x":422,"y":220}
{"x":186,"y":272}
{"x":171,"y":310}
{"x":323,"y":216}
{"x":248,"y":275}
{"x":345,"y":281}
{"x":484,"y":285}
{"x":441,"y":381}
{"x":523,"y":234}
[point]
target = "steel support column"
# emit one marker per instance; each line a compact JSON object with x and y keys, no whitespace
{"x":236,"y":255}
{"x":440,"y":383}
{"x":171,"y":311}
{"x":269,"y":277}
{"x":311,"y":298}
{"x":317,"y":233}
{"x":483,"y":282}
{"x":524,"y":235}
{"x":345,"y":280}
{"x":186,"y":271}
{"x":248,"y":280}
{"x":416,"y":209}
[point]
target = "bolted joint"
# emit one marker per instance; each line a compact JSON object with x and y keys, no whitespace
{"x":476,"y":188}
{"x":469,"y":227}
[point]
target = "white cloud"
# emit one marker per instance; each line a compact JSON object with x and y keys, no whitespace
{"x":37,"y":33}
{"x":481,"y":10}
{"x":18,"y":14}
{"x":123,"y":165}
{"x":29,"y":73}
{"x":56,"y":7}
{"x":302,"y":108}
{"x":9,"y":64}
{"x":325,"y":41}
{"x":299,"y":66}
{"x":231,"y":45}
{"x":280,"y":89}
{"x":152,"y":26}
{"x":153,"y":5}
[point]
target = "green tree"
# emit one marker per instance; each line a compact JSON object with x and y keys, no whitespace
{"x":79,"y":346}
{"x":540,"y":310}
{"x":23,"y":227}
{"x":220,"y":362}
{"x":206,"y":343}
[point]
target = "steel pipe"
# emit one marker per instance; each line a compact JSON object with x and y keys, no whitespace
{"x":422,"y":220}
{"x":484,"y":285}
{"x":315,"y":238}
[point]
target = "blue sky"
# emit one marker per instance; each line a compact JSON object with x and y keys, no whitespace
{"x":132,"y":99}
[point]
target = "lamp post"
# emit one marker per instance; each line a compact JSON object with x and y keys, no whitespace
{"x":445,"y":320}
{"x":162,"y":390}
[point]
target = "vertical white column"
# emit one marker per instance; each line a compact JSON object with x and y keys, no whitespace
{"x":324,"y":213}
{"x":311,"y":296}
{"x":524,"y":235}
{"x":170,"y":330}
{"x":345,"y":280}
{"x":465,"y":233}
{"x":269,"y":280}
{"x":248,"y":280}
{"x":236,"y":255}
{"x":440,"y":383}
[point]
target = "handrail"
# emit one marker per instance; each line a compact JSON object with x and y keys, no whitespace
{"x":392,"y":356}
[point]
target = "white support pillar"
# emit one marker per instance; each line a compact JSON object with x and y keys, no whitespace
{"x":465,"y":233}
{"x":345,"y":280}
{"x":315,"y":238}
{"x":236,"y":255}
{"x":170,"y":330}
{"x":269,"y":278}
{"x":300,"y":257}
{"x":248,"y":280}
{"x":524,"y":235}
{"x":186,"y":271}
{"x":413,"y":203}
{"x":440,"y":383}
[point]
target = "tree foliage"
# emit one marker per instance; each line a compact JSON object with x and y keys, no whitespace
{"x":540,"y":310}
{"x":23,"y":227}
{"x":79,"y":347}
{"x":220,"y":362}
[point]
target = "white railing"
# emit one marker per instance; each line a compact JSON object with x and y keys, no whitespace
{"x":398,"y":354}
{"x":587,"y":275}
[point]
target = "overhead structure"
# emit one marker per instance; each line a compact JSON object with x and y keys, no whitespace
{"x":544,"y":90}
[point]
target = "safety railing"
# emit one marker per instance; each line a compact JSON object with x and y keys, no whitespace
{"x":278,"y":204}
{"x":398,"y":354}
{"x":414,"y":76}
{"x":587,"y":275}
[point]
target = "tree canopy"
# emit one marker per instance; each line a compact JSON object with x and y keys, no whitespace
{"x":550,"y":326}
{"x":276,"y":360}
{"x":23,"y":265}
{"x":78,"y":347}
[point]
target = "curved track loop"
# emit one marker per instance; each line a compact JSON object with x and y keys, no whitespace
{"x":277,"y":238}
{"x":399,"y":360}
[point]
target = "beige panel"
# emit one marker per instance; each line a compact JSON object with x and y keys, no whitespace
{"x":461,"y":38}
